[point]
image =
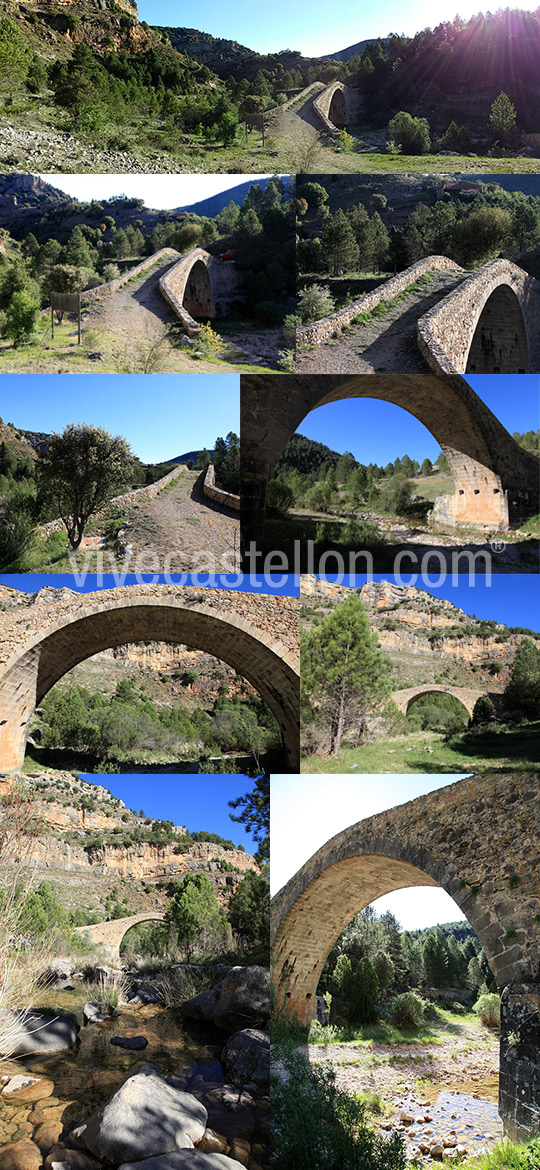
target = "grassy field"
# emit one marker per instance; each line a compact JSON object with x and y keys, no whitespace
{"x":516,"y":749}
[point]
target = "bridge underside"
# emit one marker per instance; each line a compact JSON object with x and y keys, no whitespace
{"x":198,"y":299}
{"x":499,"y":345}
{"x":337,"y":112}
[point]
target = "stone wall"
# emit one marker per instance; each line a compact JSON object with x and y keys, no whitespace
{"x":328,"y":327}
{"x":519,"y":1075}
{"x":322,"y":105}
{"x":148,"y":492}
{"x":113,"y":286}
{"x":446,"y":333}
{"x":225,"y":287}
{"x":210,"y":489}
{"x":315,"y":86}
{"x":466,"y":695}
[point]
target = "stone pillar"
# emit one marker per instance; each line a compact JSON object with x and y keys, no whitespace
{"x":519,"y":1078}
{"x":17,"y":705}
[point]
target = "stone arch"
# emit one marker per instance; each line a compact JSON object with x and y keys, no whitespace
{"x":499,"y":344}
{"x":491,"y":321}
{"x":197,"y":299}
{"x":337,"y":112}
{"x":255,"y":635}
{"x":435,"y":840}
{"x":405,"y":698}
{"x":110,"y":934}
{"x":494,"y":478}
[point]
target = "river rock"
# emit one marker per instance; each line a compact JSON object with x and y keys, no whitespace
{"x":436,"y":1151}
{"x":47,"y":1134}
{"x":212,"y":1143}
{"x":240,"y":1000}
{"x":144,"y":1118}
{"x":246,"y":1058}
{"x":61,"y":1158}
{"x":60,"y":969}
{"x":41,"y":1033}
{"x":26,"y":1088}
{"x":23,"y":1155}
{"x":186,"y":1160}
{"x":406,"y":1118}
{"x":136,"y":1043}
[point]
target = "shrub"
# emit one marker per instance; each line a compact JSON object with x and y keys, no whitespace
{"x":488,"y":1008}
{"x":408,"y":1010}
{"x":411,"y":134}
{"x":314,"y":303}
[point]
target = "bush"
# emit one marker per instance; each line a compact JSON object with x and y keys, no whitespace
{"x":488,"y":1009}
{"x":407,"y":1010}
{"x":411,"y":134}
{"x":314,"y":303}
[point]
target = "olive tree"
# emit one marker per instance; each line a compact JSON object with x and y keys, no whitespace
{"x":81,"y":469}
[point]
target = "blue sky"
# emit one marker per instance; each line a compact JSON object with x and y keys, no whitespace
{"x":312,"y":28}
{"x":32,"y":582}
{"x":377,"y":432}
{"x":323,"y":805}
{"x":161,"y":415}
{"x":198,"y":802}
{"x":511,"y":600}
{"x":158,"y":191}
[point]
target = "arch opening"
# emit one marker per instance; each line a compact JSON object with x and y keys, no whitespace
{"x":198,"y":300}
{"x":337,"y":112}
{"x":499,"y":344}
{"x":456,"y":704}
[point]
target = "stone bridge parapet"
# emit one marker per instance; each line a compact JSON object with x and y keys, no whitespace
{"x":146,"y":265}
{"x":489,"y":325}
{"x":210,"y":489}
{"x":110,"y":934}
{"x":328,"y":327}
{"x":148,"y":492}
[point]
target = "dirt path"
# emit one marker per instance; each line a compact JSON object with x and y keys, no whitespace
{"x":386,"y":344}
{"x":184,"y":525}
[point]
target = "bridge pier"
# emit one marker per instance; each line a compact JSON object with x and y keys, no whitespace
{"x":519,"y":1074}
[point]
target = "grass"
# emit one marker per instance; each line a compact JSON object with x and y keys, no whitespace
{"x":506,"y":1156}
{"x":516,"y":749}
{"x":383,"y":1032}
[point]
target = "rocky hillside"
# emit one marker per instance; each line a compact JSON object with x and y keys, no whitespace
{"x":427,"y":639}
{"x":90,"y":847}
{"x":54,"y":27}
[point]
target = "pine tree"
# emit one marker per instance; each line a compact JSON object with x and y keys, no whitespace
{"x":344,"y":670}
{"x":338,"y":244}
{"x":502,"y":117}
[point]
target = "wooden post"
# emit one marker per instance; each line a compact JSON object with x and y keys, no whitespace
{"x":263,"y":129}
{"x":52,"y":323}
{"x":245,"y":124}
{"x":79,"y":321}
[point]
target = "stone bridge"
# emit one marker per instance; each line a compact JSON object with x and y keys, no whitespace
{"x":478,"y":839}
{"x":490,"y":324}
{"x":496,"y":481}
{"x":468,"y":696}
{"x":337,"y":106}
{"x":201,"y":286}
{"x":110,"y":934}
{"x":42,"y":638}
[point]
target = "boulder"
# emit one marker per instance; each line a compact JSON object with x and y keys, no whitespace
{"x":23,"y":1155}
{"x":246,"y":1058}
{"x":186,"y":1160}
{"x":61,"y":1158}
{"x":26,"y":1088}
{"x":133,"y":1042}
{"x":240,"y":1000}
{"x":93,"y":1013}
{"x":60,"y":969}
{"x":41,"y":1033}
{"x":144,"y":1118}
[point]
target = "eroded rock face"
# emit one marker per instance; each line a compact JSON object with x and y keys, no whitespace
{"x":246,"y":1058}
{"x":145,"y":1118}
{"x":240,"y":1000}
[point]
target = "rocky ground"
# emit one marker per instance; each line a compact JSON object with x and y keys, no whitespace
{"x":206,"y":1114}
{"x":45,"y":151}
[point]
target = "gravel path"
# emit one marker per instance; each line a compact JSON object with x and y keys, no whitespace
{"x":385,"y":345}
{"x":185,"y":525}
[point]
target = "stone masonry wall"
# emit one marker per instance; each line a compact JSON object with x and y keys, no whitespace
{"x":519,"y":1075}
{"x":225,"y":282}
{"x":113,"y":286}
{"x":322,"y":104}
{"x":210,"y":489}
{"x":149,"y":492}
{"x":328,"y":327}
{"x":315,"y":86}
{"x":445,"y":333}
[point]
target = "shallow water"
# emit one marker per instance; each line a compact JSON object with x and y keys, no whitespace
{"x":471,"y":1118}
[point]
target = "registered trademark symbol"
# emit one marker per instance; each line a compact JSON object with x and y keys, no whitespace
{"x":498,"y":546}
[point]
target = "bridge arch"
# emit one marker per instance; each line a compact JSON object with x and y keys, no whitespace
{"x":197,"y":299}
{"x":201,"y":286}
{"x":494,"y":478}
{"x":489,"y":324}
{"x":256,"y":635}
{"x":337,"y":112}
{"x":405,"y":698}
{"x":110,"y":934}
{"x":330,"y":107}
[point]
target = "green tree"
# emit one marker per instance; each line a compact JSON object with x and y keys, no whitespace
{"x":378,"y":240}
{"x":22,"y":314}
{"x":195,"y":914}
{"x":502,"y":118}
{"x":15,"y":54}
{"x":523,"y":691}
{"x":411,"y":134}
{"x":435,"y":958}
{"x":77,"y":251}
{"x":81,"y":469}
{"x":426,"y":467}
{"x":249,"y":909}
{"x":338,"y":244}
{"x":344,"y":671}
{"x":483,"y":710}
{"x":255,"y":815}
